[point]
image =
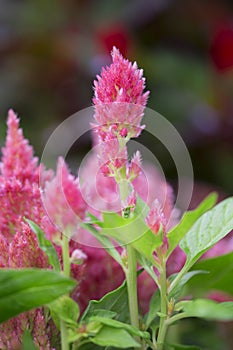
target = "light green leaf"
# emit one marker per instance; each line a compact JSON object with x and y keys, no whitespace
{"x":220,"y":273}
{"x":116,"y":324}
{"x":207,"y":309}
{"x":28,"y":342}
{"x":117,"y":337}
{"x":208,"y":230}
{"x":115,"y":301}
{"x":25,"y":289}
{"x":66,"y":309}
{"x":187,"y":221}
{"x":104,"y":241}
{"x":45,"y":245}
{"x":133,"y":231}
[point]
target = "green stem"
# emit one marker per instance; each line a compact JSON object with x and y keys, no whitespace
{"x":131,"y":270}
{"x":66,"y":271}
{"x":66,"y":255}
{"x":131,"y":278}
{"x":164,"y":306}
{"x":64,"y":336}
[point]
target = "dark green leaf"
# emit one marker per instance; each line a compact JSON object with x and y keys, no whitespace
{"x":28,"y":343}
{"x":184,"y":347}
{"x":177,"y":291}
{"x":187,"y":221}
{"x":207,"y":309}
{"x":220,"y":273}
{"x":25,"y":289}
{"x":45,"y":245}
{"x":153,"y":309}
{"x":117,"y":337}
{"x":115,"y":301}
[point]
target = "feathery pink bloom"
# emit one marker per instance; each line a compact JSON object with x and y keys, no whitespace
{"x":119,"y":98}
{"x":63,"y":201}
{"x":17,"y":155}
{"x":11,"y":331}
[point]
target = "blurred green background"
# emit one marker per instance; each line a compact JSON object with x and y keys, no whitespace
{"x":51,"y":50}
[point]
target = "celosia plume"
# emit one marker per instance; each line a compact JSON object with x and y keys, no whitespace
{"x":119,"y":98}
{"x":17,"y":155}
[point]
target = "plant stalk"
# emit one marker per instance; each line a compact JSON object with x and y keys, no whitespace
{"x":164,"y":306}
{"x":131,"y":270}
{"x":66,"y":271}
{"x":131,"y":278}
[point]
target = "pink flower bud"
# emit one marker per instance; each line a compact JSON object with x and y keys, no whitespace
{"x":156,"y":219}
{"x":78,"y":256}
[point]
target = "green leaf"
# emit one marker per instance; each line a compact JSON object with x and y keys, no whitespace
{"x":66,"y":309}
{"x":25,"y":289}
{"x":207,"y":309}
{"x":153,"y":309}
{"x":220,"y":273}
{"x":184,"y":347}
{"x":148,"y":266}
{"x":176,"y":292}
{"x":115,"y":301}
{"x":187,"y":221}
{"x":104,"y":241}
{"x":45,"y":245}
{"x":208,"y":230}
{"x":116,"y":324}
{"x":117,"y":337}
{"x":28,"y":342}
{"x":133,"y":231}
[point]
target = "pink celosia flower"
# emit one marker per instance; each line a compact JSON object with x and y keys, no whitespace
{"x":20,"y":195}
{"x":63,"y":201}
{"x":119,"y":99}
{"x":17,"y":155}
{"x":11,"y":332}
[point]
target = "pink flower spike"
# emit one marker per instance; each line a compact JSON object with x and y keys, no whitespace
{"x":119,"y":98}
{"x":156,"y":219}
{"x":17,"y":159}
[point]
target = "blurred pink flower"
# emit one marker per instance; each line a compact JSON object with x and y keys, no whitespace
{"x":63,"y":200}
